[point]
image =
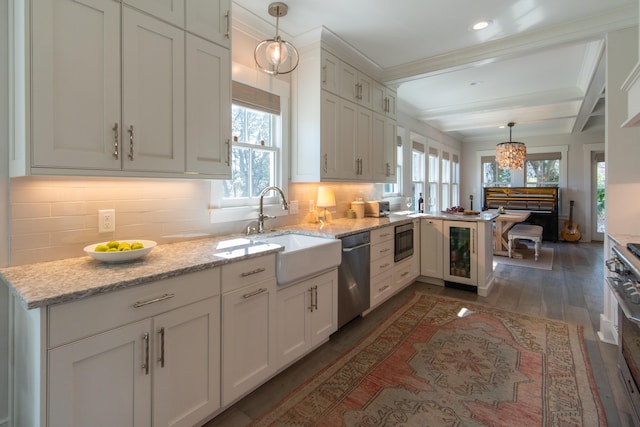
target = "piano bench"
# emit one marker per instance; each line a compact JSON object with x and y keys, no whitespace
{"x":526,"y":232}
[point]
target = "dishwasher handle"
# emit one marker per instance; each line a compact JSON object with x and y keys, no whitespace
{"x":355,"y":247}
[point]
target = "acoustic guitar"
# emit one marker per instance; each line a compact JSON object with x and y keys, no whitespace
{"x":570,"y":231}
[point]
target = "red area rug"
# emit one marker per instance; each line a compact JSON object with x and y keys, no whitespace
{"x":428,"y":366}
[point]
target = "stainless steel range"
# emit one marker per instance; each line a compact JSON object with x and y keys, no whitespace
{"x":624,"y":281}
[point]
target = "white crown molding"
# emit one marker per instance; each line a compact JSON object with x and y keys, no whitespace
{"x":592,"y":28}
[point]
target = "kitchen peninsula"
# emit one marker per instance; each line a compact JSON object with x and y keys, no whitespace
{"x":456,"y":250}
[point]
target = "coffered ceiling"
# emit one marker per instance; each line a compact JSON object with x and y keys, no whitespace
{"x":540,"y":63}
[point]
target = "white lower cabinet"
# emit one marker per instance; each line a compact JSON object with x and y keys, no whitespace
{"x":166,"y":366}
{"x":248,"y":326}
{"x":307,"y":315}
{"x":431,"y":247}
{"x":144,"y":356}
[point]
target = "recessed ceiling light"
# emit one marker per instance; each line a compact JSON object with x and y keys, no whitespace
{"x":481,"y":25}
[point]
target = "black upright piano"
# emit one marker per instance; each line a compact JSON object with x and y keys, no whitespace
{"x":542,"y":202}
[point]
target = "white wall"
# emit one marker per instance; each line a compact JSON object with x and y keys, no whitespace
{"x":622,"y":144}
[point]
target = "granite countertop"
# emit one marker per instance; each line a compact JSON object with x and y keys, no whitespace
{"x":623,"y":239}
{"x":47,"y":283}
{"x":480,"y":217}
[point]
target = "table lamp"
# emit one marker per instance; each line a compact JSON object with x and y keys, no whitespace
{"x":326,"y":198}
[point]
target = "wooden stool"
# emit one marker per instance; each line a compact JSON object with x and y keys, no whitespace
{"x":527,"y":232}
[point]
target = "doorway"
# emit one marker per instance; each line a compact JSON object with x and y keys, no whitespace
{"x":598,"y":195}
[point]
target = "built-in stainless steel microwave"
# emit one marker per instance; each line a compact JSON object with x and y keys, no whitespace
{"x":376,"y":208}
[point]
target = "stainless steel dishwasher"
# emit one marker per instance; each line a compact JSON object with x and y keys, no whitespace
{"x":353,"y":277}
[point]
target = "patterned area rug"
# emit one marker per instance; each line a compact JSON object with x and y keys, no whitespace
{"x":443,"y":362}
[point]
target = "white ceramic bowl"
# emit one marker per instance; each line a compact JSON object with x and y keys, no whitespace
{"x":122,"y":256}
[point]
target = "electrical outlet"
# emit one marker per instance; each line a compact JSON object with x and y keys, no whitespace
{"x":106,"y":220}
{"x":293,"y":207}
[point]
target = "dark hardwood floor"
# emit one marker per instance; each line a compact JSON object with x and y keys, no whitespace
{"x":572,"y":292}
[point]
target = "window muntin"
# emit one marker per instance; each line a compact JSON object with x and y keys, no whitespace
{"x":434,"y":180}
{"x":455,"y":181}
{"x":445,"y":180}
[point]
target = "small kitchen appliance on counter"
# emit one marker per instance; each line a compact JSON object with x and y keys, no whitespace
{"x":376,"y":209}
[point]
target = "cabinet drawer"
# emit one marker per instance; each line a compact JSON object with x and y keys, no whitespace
{"x":381,"y":265}
{"x":381,"y":288}
{"x":382,"y":234}
{"x":382,"y":249}
{"x":402,"y":273}
{"x":243,"y":273}
{"x":78,"y":319}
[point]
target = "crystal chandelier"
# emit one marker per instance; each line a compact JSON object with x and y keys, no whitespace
{"x":276,"y":56}
{"x":511,"y":155}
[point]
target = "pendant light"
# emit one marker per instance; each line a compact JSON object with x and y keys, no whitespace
{"x":276,"y":56}
{"x":511,"y":155}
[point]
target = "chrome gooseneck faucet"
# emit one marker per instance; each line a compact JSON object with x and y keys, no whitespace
{"x":262,"y":216}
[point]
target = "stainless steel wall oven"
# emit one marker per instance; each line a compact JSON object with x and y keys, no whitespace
{"x":403,"y":241}
{"x":624,"y":279}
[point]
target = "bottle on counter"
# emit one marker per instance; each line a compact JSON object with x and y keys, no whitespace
{"x":420,"y":204}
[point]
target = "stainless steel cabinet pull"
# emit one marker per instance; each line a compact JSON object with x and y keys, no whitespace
{"x":131,"y":142}
{"x":227,"y":34}
{"x":228,"y":161}
{"x":116,"y":154}
{"x":324,"y":74}
{"x":385,"y":250}
{"x":355,"y":247}
{"x":383,"y":288}
{"x":254,"y":293}
{"x":311,"y":299}
{"x":252,"y":272}
{"x":325,"y":163}
{"x":385,"y":235}
{"x":139,"y":304}
{"x":145,"y":363}
{"x":384,"y":265}
{"x":473,"y":241}
{"x":315,"y":299}
{"x":388,"y":169}
{"x":404,"y":274}
{"x":161,"y":359}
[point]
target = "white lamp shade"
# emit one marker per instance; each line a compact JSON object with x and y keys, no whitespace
{"x":326,"y":197}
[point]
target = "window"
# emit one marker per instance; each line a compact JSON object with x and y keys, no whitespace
{"x":455,"y":180}
{"x":542,"y":170}
{"x":434,"y":180}
{"x":255,"y":153}
{"x":256,"y":129}
{"x":493,"y":175}
{"x":445,"y":180}
{"x":417,"y":172}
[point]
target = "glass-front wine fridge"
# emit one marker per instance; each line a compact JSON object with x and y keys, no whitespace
{"x":460,"y":254}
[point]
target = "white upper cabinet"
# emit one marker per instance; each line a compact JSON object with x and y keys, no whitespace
{"x":105,"y":88}
{"x":153,"y":94}
{"x":335,"y":136}
{"x":210,"y":19}
{"x":384,"y":100}
{"x":75,"y":84}
{"x":208,"y":108}
{"x":171,"y":11}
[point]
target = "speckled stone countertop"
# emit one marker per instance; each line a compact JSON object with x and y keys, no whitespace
{"x":480,"y":217}
{"x":55,"y":282}
{"x":47,"y":283}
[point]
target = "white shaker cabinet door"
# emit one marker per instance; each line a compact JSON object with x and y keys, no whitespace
{"x":186,"y":368}
{"x":110,"y":365}
{"x":210,"y":19}
{"x":75,"y":84}
{"x":153,"y":95}
{"x":208,"y":108}
{"x":167,"y":10}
